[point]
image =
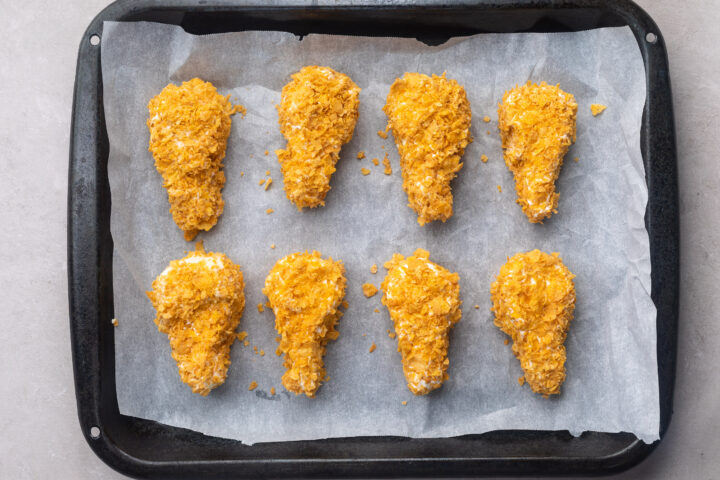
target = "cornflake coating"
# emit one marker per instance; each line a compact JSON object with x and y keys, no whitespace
{"x":423,"y":299}
{"x":534,"y":300}
{"x":317,"y":115}
{"x":430,"y":120}
{"x":537,"y":126}
{"x":305,"y":292}
{"x":199,"y":300}
{"x":189,"y":127}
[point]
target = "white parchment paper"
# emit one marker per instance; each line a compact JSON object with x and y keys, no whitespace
{"x":611,"y":369}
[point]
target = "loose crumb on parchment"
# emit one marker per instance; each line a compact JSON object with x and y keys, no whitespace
{"x":521,"y":381}
{"x":267,"y":152}
{"x":386,"y":164}
{"x":484,"y":158}
{"x":477,"y":307}
{"x":369,"y":289}
{"x":499,"y":188}
{"x":361,"y":155}
{"x":377,"y":310}
{"x":506,"y":341}
{"x":267,"y":172}
{"x":404,"y":402}
{"x":268,"y":183}
{"x":115,"y":322}
{"x":365,"y":171}
{"x":261,"y":308}
{"x":597,"y":108}
{"x":242,"y":335}
{"x":372,"y":347}
{"x":246,"y":343}
{"x":345,"y":304}
{"x":382,"y":134}
{"x":486,"y":119}
{"x":253,"y":385}
{"x":269,"y":211}
{"x":261,"y":181}
{"x":376,"y":162}
{"x":272,"y":390}
{"x":373,"y":269}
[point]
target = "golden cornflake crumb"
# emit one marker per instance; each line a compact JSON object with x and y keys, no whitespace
{"x":488,"y":132}
{"x":521,"y":381}
{"x":267,"y":152}
{"x":365,"y":171}
{"x":240,"y":109}
{"x":242,"y":335}
{"x":597,"y":109}
{"x":372,"y":347}
{"x":268,"y":183}
{"x":261,"y":308}
{"x":377,"y":310}
{"x":115,"y":322}
{"x":499,"y":188}
{"x":360,"y":155}
{"x":484,"y":158}
{"x":278,"y":352}
{"x":253,"y":385}
{"x":486,"y":119}
{"x":246,"y":342}
{"x":262,"y":353}
{"x":507,"y":340}
{"x":390,"y":333}
{"x":242,"y":174}
{"x":272,"y":245}
{"x":272,"y":390}
{"x":345,"y":304}
{"x":269,"y":211}
{"x":261,"y":181}
{"x":477,"y":307}
{"x":404,"y":402}
{"x":386,"y":164}
{"x":369,"y":289}
{"x":376,"y":162}
{"x":267,"y":172}
{"x":373,"y":269}
{"x":364,"y":334}
{"x":382,"y":134}
{"x":255,"y":349}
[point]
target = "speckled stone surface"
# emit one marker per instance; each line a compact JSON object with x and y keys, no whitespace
{"x":41,"y":437}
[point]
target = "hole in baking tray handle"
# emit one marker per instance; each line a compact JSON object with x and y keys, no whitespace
{"x":651,"y":37}
{"x":94,"y":39}
{"x":94,"y":432}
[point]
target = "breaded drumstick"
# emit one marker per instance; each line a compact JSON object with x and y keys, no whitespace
{"x":305,"y":292}
{"x":534,"y":300}
{"x":537,"y":126}
{"x":423,"y":299}
{"x":199,"y":300}
{"x":430,"y":120}
{"x":317,"y":114}
{"x":189,"y":127}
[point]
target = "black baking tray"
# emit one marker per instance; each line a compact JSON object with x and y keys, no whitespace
{"x":148,"y":449}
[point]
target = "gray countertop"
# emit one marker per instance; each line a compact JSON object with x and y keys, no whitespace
{"x":41,"y":437}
